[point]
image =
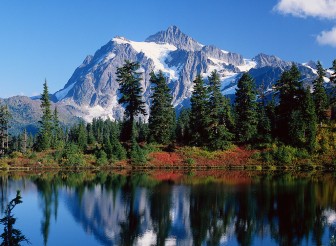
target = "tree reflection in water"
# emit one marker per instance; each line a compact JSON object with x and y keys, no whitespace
{"x":12,"y":236}
{"x":128,"y":210}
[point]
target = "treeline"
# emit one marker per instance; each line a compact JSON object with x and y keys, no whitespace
{"x":292,"y":117}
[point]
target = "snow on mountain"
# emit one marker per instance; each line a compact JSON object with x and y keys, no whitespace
{"x":92,"y":90}
{"x":157,"y":52}
{"x":62,"y":93}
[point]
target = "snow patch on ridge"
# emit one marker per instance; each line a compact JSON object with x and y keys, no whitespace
{"x":96,"y":112}
{"x":249,"y":64}
{"x":158,"y":53}
{"x":62,"y":93}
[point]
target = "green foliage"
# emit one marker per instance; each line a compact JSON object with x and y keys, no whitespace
{"x":57,"y":132}
{"x":46,"y":124}
{"x":137,"y":154}
{"x":219,"y":116}
{"x":130,"y":88}
{"x":199,"y":116}
{"x":245,"y":109}
{"x":101,"y":158}
{"x":162,"y":113}
{"x":190,"y":161}
{"x":71,"y":155}
{"x":5,"y":116}
{"x":183,"y":132}
{"x":319,"y":94}
{"x":264,"y":125}
{"x":290,"y":98}
{"x":284,"y":155}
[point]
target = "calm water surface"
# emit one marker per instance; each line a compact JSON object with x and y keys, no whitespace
{"x":164,"y":208}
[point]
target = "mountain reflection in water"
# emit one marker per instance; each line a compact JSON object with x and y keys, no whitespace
{"x":229,"y":208}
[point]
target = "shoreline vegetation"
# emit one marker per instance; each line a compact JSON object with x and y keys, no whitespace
{"x":293,"y":130}
{"x":179,"y":159}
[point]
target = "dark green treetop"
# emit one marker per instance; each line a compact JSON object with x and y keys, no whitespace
{"x":319,"y":94}
{"x":161,"y":119}
{"x":246,"y":109}
{"x":199,"y":116}
{"x":46,"y":124}
{"x":129,"y":80}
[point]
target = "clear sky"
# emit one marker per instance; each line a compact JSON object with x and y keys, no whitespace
{"x":48,"y":39}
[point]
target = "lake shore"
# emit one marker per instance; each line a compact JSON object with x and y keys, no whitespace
{"x":177,"y":158}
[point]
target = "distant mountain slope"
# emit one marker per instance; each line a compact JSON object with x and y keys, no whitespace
{"x":27,"y":112}
{"x":92,"y":90}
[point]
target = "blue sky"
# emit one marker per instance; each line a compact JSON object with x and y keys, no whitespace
{"x":48,"y":39}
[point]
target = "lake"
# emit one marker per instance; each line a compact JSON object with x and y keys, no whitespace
{"x":173,"y":208}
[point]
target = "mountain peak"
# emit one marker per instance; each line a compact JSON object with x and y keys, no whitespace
{"x":173,"y":35}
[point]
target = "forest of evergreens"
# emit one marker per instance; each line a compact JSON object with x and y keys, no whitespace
{"x":290,"y":124}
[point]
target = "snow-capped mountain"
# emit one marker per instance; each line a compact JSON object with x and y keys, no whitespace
{"x":92,"y":90}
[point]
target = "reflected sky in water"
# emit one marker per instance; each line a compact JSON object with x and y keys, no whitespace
{"x":229,"y":208}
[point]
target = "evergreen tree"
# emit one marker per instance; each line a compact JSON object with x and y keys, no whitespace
{"x":333,"y":75}
{"x":310,"y":118}
{"x":161,"y":119}
{"x":199,"y":116}
{"x":45,"y":133}
{"x":57,"y":136}
{"x":333,"y":80}
{"x":12,"y":236}
{"x":82,"y":136}
{"x":264,"y":123}
{"x":130,"y":88}
{"x":290,"y":96}
{"x":302,"y":124}
{"x":183,"y":132}
{"x":246,"y":109}
{"x":319,"y":94}
{"x":4,"y":125}
{"x":218,"y":132}
{"x":89,"y":129}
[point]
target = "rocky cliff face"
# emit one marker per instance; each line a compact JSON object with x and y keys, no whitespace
{"x":92,"y":90}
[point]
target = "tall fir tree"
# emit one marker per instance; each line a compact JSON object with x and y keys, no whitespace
{"x":161,"y":119}
{"x":183,"y":131}
{"x":302,"y":124}
{"x":57,"y":136}
{"x":264,"y":122}
{"x":319,"y":94}
{"x":199,"y":115}
{"x":291,"y":94}
{"x":5,"y":116}
{"x":246,"y":109}
{"x":333,"y":80}
{"x":46,"y":125}
{"x":219,"y":135}
{"x":129,"y":80}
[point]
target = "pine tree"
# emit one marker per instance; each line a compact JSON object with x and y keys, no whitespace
{"x":130,"y":88}
{"x":246,"y":109}
{"x":57,"y":136}
{"x":45,"y":133}
{"x":183,"y":132}
{"x":333,"y":80}
{"x":161,"y":119}
{"x":290,"y":95}
{"x":303,"y":123}
{"x":218,"y":132}
{"x":310,"y":118}
{"x":199,"y":116}
{"x":319,"y":94}
{"x":4,"y":125}
{"x":264,"y":123}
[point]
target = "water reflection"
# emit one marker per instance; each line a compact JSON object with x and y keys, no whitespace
{"x":227,"y":209}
